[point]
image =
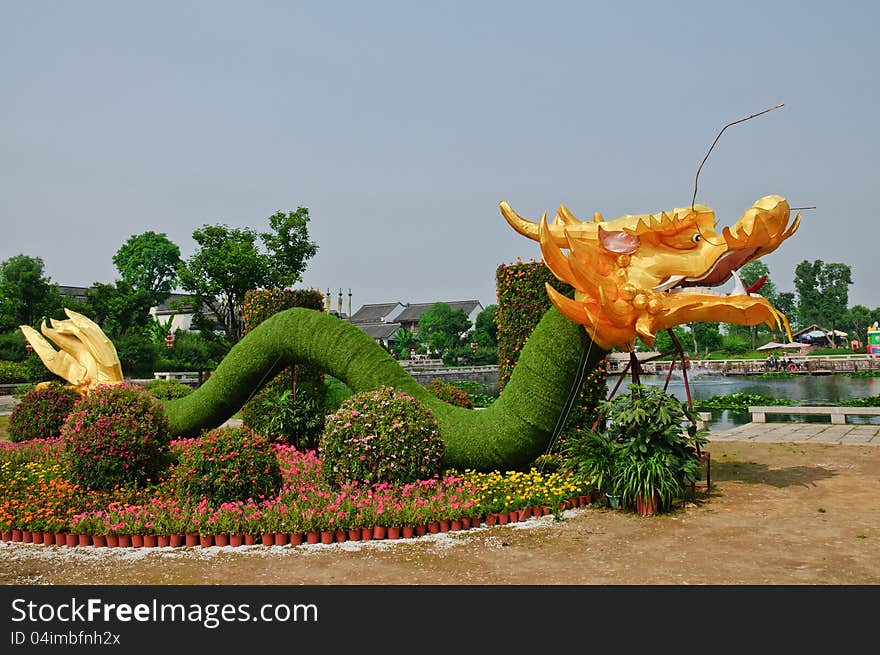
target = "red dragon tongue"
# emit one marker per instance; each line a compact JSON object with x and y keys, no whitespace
{"x":757,"y":285}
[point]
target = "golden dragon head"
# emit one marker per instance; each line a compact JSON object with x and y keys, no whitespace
{"x":86,"y":359}
{"x":638,"y":274}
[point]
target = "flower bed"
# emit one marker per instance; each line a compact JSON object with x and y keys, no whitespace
{"x":42,"y":505}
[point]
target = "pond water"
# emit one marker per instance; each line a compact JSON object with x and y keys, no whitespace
{"x":803,"y":389}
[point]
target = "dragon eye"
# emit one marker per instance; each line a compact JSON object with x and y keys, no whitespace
{"x":697,"y":238}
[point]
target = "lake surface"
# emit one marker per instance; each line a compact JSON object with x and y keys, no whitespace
{"x":803,"y":389}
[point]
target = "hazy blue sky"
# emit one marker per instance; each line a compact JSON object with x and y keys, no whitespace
{"x":401,"y":125}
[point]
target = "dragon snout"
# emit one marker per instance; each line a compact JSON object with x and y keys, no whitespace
{"x":761,"y":228}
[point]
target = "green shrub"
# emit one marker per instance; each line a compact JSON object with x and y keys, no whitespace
{"x":450,"y":394}
{"x":137,"y":354}
{"x":41,"y":412}
{"x":191,"y":352}
{"x":381,"y":436}
{"x":227,"y":465}
{"x":12,"y":346}
{"x":274,"y":413}
{"x":116,"y":435}
{"x":167,"y":389}
{"x":13,"y":372}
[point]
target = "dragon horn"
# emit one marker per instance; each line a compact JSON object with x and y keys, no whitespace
{"x":527,"y":228}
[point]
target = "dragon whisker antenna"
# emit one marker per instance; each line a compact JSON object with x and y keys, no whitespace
{"x":741,"y":120}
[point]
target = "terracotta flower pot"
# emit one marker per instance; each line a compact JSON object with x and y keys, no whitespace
{"x":379,"y":532}
{"x":48,"y":538}
{"x":514,"y":516}
{"x":16,"y":535}
{"x":525,"y":513}
{"x":340,"y":535}
{"x":296,"y":538}
{"x":434,"y":527}
{"x":27,"y":536}
{"x":7,"y":535}
{"x":455,"y":525}
{"x":60,"y":538}
{"x":313,"y":537}
{"x":647,"y":505}
{"x":112,"y":540}
{"x":267,"y":538}
{"x":176,"y":540}
{"x":327,"y":536}
{"x":206,"y":540}
{"x":366,"y":533}
{"x":151,"y":540}
{"x":491,"y":519}
{"x":236,"y":540}
{"x":444,"y":525}
{"x":475,"y":521}
{"x":71,"y":539}
{"x":503,"y":518}
{"x":137,"y":541}
{"x":465,"y":522}
{"x":221,"y":539}
{"x":84,"y":540}
{"x":421,"y":530}
{"x":124,"y":540}
{"x":393,"y":532}
{"x":354,"y":534}
{"x":162,"y":540}
{"x":249,"y":539}
{"x":281,"y":538}
{"x":99,"y":540}
{"x":407,"y":532}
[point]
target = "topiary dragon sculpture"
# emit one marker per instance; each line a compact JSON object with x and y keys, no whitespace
{"x":633,"y":276}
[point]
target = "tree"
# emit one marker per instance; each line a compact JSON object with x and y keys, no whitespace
{"x":119,"y":309}
{"x":443,"y":328}
{"x":27,"y":295}
{"x":289,"y":245}
{"x":485,"y":330}
{"x":228,"y":263}
{"x":859,"y":318}
{"x":787,"y":304}
{"x":148,"y":262}
{"x":823,"y":293}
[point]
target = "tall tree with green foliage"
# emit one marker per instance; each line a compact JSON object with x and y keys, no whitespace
{"x":148,"y":262}
{"x":289,"y":245}
{"x":443,"y":328}
{"x":229,"y":262}
{"x":27,"y":295}
{"x":485,"y":329}
{"x":822,"y":293}
{"x":858,"y":319}
{"x":118,"y":308}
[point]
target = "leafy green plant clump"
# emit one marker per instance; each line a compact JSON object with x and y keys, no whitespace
{"x":648,"y":448}
{"x":116,"y":435}
{"x":740,"y":401}
{"x":227,"y":465}
{"x":168,"y":389}
{"x":381,"y":436}
{"x":41,"y":412}
{"x":869,"y":401}
{"x":275,"y":413}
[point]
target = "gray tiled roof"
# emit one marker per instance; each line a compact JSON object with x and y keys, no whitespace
{"x":373,"y":313}
{"x":379,"y":330}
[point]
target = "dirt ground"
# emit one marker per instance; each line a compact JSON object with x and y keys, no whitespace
{"x":793,"y":514}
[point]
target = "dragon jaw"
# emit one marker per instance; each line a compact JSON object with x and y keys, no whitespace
{"x":636,"y":275}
